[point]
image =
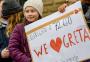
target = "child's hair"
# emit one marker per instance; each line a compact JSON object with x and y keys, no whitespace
{"x":12,"y":21}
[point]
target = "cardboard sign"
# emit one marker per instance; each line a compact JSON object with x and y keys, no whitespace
{"x":60,"y":37}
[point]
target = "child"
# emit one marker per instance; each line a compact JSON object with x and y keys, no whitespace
{"x":10,"y":16}
{"x":18,"y":45}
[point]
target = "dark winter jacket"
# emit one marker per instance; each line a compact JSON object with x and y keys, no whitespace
{"x":18,"y":46}
{"x":3,"y":37}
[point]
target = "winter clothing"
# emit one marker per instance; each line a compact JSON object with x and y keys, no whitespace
{"x":18,"y":45}
{"x":3,"y":40}
{"x":37,"y":4}
{"x":10,"y":7}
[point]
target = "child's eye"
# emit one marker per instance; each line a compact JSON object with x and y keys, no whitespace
{"x":32,"y":10}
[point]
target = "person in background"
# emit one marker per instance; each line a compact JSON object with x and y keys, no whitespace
{"x":18,"y":45}
{"x":10,"y":15}
{"x":4,"y":53}
{"x":12,"y":11}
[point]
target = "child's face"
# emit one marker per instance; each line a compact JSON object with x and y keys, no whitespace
{"x":1,"y":3}
{"x":31,"y":14}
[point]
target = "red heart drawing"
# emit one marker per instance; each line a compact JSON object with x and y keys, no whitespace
{"x":56,"y":45}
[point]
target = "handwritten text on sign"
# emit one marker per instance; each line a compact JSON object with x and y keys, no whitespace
{"x":60,"y":37}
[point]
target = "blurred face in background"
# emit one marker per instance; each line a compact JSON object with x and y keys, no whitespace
{"x":31,"y":14}
{"x":1,"y":3}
